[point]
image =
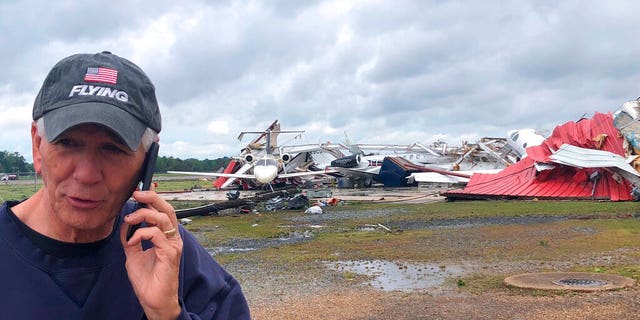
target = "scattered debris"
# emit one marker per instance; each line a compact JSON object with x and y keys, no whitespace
{"x":318,"y":193}
{"x":296,"y":202}
{"x":379,"y":226}
{"x":244,"y":204}
{"x":233,"y":194}
{"x":385,"y":228}
{"x":314,"y":210}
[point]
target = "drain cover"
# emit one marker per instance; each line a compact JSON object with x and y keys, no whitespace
{"x":572,"y":281}
{"x":581,"y":282}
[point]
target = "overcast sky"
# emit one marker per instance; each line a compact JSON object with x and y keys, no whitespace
{"x":383,"y":71}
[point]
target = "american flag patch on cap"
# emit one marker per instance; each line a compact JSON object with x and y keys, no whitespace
{"x":99,"y":74}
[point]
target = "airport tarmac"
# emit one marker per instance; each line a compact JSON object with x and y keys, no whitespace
{"x":399,"y":195}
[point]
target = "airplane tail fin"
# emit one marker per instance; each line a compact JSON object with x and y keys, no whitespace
{"x":353,"y":148}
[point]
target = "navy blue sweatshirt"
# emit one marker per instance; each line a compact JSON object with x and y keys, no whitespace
{"x":42,"y":278}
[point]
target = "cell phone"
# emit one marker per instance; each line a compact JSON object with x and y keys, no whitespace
{"x":145,"y":180}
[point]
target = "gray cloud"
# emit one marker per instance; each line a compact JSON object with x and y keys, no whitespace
{"x":387,"y":72}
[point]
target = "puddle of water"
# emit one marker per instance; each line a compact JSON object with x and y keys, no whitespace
{"x":400,"y":276}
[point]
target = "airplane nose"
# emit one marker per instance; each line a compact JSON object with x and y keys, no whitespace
{"x":265,"y":174}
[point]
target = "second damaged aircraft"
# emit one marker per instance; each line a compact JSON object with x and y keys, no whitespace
{"x":261,"y":160}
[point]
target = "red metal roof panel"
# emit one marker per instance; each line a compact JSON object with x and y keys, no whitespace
{"x":523,"y":180}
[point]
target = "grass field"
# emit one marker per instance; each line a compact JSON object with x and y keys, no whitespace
{"x":16,"y":191}
{"x":341,"y":234}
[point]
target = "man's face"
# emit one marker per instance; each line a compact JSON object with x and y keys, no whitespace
{"x":88,"y":174}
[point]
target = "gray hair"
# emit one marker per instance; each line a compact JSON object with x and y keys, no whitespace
{"x":148,"y":136}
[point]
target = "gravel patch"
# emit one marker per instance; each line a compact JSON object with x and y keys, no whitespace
{"x":239,"y":245}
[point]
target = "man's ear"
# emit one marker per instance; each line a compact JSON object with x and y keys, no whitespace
{"x":36,"y":140}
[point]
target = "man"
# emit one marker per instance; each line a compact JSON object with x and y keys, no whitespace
{"x":64,"y":251}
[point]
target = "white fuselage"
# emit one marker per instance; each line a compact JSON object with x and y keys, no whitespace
{"x":521,"y":139}
{"x":266,"y":169}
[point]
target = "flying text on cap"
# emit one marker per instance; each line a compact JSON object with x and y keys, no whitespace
{"x":88,"y":90}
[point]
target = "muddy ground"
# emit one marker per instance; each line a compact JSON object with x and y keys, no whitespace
{"x":316,"y":291}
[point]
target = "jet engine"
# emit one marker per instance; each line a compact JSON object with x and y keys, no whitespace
{"x":285,"y":157}
{"x":249,"y":158}
{"x":351,"y":161}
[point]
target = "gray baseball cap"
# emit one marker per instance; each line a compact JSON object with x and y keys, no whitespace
{"x":99,"y":88}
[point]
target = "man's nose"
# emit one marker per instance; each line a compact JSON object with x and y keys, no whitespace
{"x":88,"y":169}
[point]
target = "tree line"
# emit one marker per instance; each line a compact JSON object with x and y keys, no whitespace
{"x":164,"y":164}
{"x":14,"y":162}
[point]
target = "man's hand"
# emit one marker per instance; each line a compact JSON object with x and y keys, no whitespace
{"x":154,"y":273}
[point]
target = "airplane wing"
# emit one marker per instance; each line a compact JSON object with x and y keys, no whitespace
{"x":305,"y":173}
{"x":215,"y":174}
{"x":353,"y":173}
{"x":251,"y":176}
{"x":239,"y":174}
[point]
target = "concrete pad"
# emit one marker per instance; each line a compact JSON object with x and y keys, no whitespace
{"x":571,"y":281}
